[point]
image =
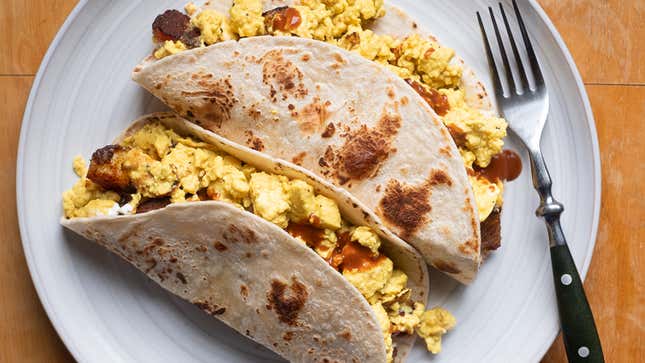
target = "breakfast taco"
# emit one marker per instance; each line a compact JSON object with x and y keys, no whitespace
{"x":267,"y":247}
{"x":393,"y":119}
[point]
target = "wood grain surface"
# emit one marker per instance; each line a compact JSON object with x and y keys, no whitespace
{"x":606,"y":38}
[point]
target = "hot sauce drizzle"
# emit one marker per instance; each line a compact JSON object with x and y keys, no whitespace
{"x":505,"y":166}
{"x":348,"y":255}
{"x":436,"y":100}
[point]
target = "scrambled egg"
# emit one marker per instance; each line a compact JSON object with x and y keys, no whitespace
{"x":169,"y":48}
{"x":366,"y":237}
{"x":159,"y":163}
{"x":303,"y":201}
{"x":214,"y":27}
{"x":434,"y":324}
{"x":327,"y":214}
{"x":246,"y":18}
{"x":270,"y":199}
{"x":429,"y":62}
{"x":317,"y":210}
{"x":369,"y":281}
{"x":483,"y":134}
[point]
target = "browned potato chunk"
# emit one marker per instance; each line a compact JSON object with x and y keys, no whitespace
{"x":106,"y":169}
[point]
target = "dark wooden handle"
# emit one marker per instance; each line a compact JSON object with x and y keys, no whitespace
{"x":581,"y":339}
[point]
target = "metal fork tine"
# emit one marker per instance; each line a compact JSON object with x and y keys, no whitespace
{"x":535,"y":66}
{"x":499,"y":90}
{"x":524,"y":80}
{"x":502,"y":50}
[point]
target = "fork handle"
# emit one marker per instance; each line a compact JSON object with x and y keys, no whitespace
{"x":579,"y":332}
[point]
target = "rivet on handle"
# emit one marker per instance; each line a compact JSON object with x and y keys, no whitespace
{"x":566,"y":279}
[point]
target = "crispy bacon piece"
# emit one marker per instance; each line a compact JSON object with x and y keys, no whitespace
{"x":170,"y":25}
{"x":106,"y":169}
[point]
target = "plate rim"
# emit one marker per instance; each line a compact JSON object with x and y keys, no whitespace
{"x":67,"y":340}
{"x":70,"y":342}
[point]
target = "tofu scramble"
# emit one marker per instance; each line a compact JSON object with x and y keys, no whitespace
{"x":155,"y":167}
{"x":424,"y":63}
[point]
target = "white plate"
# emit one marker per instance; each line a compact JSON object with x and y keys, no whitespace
{"x":105,"y":311}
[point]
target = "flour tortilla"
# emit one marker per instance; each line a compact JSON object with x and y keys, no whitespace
{"x":251,"y":274}
{"x":385,"y":145}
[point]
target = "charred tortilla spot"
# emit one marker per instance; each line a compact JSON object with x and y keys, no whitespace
{"x":287,"y":301}
{"x":328,"y":158}
{"x":287,"y":336}
{"x":254,"y":113}
{"x":470,"y":247}
{"x":281,"y":75}
{"x":491,"y":233}
{"x":298,"y":159}
{"x":253,"y":141}
{"x":210,"y":308}
{"x":329,"y":130}
{"x":366,"y":149}
{"x":389,"y":124}
{"x":181,"y":278}
{"x":220,"y":246}
{"x":312,"y":116}
{"x":212,"y":99}
{"x":363,"y":153}
{"x":152,"y":263}
{"x":446,"y":267}
{"x":445,"y":151}
{"x":244,"y":291}
{"x":438,"y":177}
{"x":346,"y":334}
{"x":322,"y":163}
{"x":239,"y":235}
{"x":405,"y":206}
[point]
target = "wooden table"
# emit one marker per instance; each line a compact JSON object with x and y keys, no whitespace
{"x":607,"y":38}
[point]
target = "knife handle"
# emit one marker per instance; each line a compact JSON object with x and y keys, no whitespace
{"x":579,"y":331}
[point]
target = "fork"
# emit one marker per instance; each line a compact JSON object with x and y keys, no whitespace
{"x":526,"y":109}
